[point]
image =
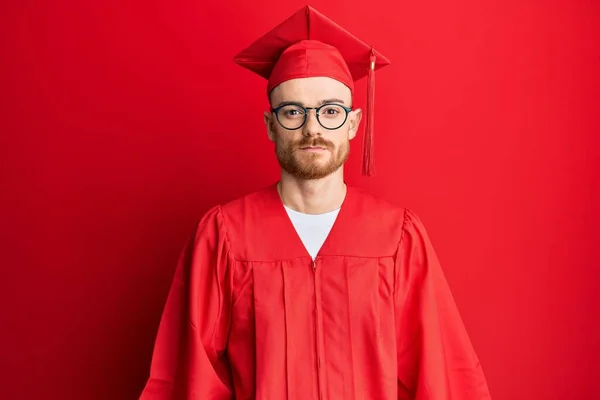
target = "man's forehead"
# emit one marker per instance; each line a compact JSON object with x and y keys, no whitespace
{"x":313,"y":90}
{"x":317,"y":103}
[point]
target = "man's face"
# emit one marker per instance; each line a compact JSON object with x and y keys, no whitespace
{"x":312,"y":151}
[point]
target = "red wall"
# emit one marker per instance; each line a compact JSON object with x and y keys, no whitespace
{"x":120,"y":124}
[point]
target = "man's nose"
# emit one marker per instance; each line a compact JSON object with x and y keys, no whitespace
{"x":312,"y":126}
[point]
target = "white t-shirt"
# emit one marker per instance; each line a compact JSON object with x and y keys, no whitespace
{"x":312,"y":229}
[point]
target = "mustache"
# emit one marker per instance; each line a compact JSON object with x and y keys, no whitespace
{"x":314,"y":142}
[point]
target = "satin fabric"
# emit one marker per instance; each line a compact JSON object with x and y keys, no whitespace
{"x":250,"y":315}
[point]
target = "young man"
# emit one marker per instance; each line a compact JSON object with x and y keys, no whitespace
{"x":311,"y":289}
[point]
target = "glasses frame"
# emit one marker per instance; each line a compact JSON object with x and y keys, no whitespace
{"x":306,"y":110}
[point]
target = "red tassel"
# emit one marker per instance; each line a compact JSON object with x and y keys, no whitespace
{"x":368,"y":148}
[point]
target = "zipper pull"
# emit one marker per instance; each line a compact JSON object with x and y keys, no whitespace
{"x":314,"y":264}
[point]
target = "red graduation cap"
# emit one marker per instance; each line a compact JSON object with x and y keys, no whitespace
{"x":309,"y":44}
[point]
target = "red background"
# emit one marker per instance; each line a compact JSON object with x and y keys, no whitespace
{"x":122,"y":123}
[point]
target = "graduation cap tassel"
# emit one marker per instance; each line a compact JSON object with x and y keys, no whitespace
{"x":368,"y":149}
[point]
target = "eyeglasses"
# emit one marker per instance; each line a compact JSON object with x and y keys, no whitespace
{"x":294,"y":116}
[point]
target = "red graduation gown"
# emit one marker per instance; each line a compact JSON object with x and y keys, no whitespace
{"x":250,"y":315}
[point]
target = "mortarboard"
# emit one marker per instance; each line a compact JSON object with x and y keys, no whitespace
{"x":309,"y":44}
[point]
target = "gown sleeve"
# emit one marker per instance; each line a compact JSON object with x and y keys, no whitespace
{"x":436,"y":360}
{"x":189,"y":360}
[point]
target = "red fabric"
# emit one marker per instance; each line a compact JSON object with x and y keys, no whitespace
{"x":309,"y":58}
{"x":308,"y":43}
{"x":250,"y":315}
{"x":368,"y":146}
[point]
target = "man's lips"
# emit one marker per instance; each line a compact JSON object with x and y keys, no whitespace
{"x":315,"y":148}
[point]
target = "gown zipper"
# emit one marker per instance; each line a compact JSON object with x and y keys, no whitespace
{"x":318,"y":333}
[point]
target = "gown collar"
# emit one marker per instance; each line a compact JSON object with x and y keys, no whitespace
{"x":334,"y":241}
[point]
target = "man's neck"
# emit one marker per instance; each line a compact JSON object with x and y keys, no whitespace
{"x":316,"y":196}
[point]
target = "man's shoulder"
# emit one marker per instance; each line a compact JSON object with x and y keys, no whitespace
{"x":376,"y":204}
{"x":365,"y":204}
{"x":236,"y":205}
{"x":254,"y":198}
{"x":372,"y":203}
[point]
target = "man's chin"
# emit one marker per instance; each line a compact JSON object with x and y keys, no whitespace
{"x":313,"y":171}
{"x":312,"y":175}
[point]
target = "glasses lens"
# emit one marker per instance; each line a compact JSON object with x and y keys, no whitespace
{"x":291,"y":116}
{"x":332,"y":116}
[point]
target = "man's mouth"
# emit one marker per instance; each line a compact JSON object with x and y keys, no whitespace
{"x":312,"y":148}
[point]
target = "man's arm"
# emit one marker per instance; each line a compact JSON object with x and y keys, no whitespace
{"x":436,"y":360}
{"x":189,"y":359}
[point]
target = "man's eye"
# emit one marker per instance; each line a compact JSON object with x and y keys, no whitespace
{"x":331,"y":111}
{"x":293,"y":112}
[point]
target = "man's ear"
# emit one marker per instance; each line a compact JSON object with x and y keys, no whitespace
{"x":269,"y":122}
{"x":354,"y":120}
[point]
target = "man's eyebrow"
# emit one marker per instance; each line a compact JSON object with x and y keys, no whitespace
{"x":325,"y":101}
{"x":332,"y":100}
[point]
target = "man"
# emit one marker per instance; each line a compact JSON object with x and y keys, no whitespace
{"x":311,"y":289}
